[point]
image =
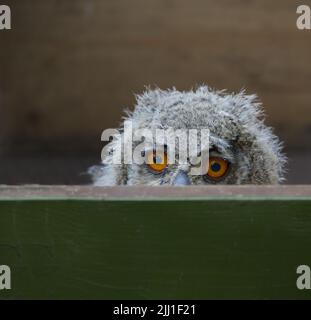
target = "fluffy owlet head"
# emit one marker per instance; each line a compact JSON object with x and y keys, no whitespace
{"x":242,"y":149}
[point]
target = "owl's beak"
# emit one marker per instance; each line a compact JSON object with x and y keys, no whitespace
{"x":181,"y":179}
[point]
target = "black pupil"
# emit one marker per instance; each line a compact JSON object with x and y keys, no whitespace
{"x":157,"y":160}
{"x":215,"y":167}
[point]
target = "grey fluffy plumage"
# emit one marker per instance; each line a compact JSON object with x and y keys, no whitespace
{"x":237,"y":133}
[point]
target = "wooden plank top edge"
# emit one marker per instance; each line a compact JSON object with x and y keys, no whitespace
{"x":155,"y":193}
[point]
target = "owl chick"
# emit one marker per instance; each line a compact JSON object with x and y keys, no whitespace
{"x":242,"y":149}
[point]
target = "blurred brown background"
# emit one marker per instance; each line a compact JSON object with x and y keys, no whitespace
{"x":69,"y":67}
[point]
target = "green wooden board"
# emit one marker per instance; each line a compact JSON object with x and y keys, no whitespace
{"x":155,"y":249}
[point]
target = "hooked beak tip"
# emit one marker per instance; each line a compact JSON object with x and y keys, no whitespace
{"x":181,"y":179}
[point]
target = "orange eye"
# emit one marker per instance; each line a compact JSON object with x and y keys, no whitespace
{"x":217,"y":168}
{"x":156,"y":162}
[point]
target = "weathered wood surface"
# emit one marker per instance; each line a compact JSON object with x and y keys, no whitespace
{"x":270,"y":192}
{"x":97,"y":246}
{"x":70,"y":67}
